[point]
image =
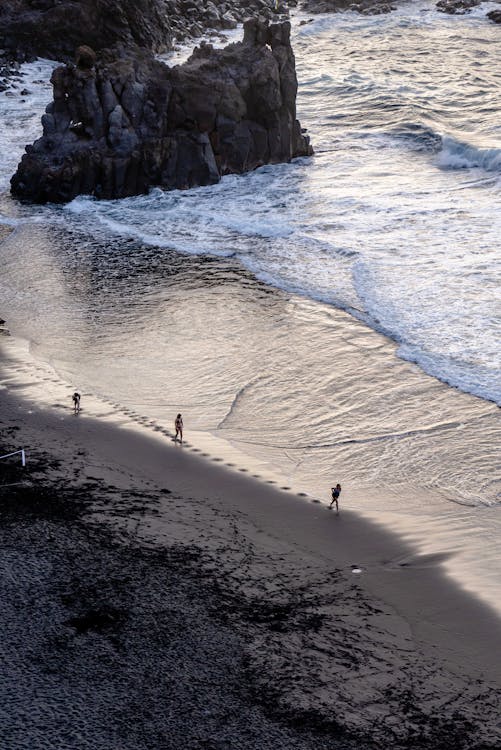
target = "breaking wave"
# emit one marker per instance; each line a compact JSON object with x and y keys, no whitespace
{"x":456,"y":154}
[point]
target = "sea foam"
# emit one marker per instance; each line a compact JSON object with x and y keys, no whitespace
{"x":456,"y":154}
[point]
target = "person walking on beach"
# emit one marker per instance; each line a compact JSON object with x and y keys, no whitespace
{"x":335,"y":492}
{"x":76,"y":402}
{"x":178,"y":424}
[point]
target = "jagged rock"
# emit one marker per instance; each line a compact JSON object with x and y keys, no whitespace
{"x":129,"y":123}
{"x":85,"y":57}
{"x":228,"y":21}
{"x":494,"y":15}
{"x":54,"y":28}
{"x":457,"y":7}
{"x":366,"y":7}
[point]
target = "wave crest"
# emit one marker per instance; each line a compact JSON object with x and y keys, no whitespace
{"x":456,"y":154}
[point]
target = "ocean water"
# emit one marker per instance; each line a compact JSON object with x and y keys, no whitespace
{"x":337,"y":317}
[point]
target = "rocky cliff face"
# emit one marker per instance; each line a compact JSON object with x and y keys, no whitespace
{"x":122,"y":125}
{"x":55,"y":28}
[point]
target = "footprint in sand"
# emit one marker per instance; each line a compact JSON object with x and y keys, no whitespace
{"x":417,"y":562}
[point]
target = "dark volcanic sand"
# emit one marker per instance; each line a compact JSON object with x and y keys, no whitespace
{"x":112,"y":641}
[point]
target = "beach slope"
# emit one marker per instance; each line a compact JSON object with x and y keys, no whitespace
{"x":153,"y":598}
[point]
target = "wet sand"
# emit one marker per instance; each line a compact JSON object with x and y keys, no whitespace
{"x":397,"y":655}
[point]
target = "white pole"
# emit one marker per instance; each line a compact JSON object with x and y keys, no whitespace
{"x":14,"y":453}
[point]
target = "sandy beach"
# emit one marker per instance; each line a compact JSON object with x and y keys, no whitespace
{"x":154,"y":598}
{"x":332,"y":318}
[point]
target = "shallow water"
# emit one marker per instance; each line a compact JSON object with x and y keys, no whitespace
{"x":257,"y":307}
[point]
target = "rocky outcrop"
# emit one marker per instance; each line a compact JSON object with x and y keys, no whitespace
{"x":191,"y":18}
{"x":124,"y":124}
{"x":457,"y":7}
{"x":366,"y":7}
{"x":9,"y":69}
{"x":55,"y":28}
{"x":494,"y":15}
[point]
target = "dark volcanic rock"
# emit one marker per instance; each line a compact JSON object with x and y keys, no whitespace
{"x":54,"y":28}
{"x":457,"y":7}
{"x":366,"y":7}
{"x":127,"y":124}
{"x":9,"y":69}
{"x":495,"y":15}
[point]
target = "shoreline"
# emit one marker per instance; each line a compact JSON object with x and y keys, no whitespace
{"x":395,"y":512}
{"x":464,"y":537}
{"x":405,"y":619}
{"x":207,"y":608}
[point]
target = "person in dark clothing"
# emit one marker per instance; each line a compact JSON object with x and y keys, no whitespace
{"x":335,"y":492}
{"x":76,"y":402}
{"x":178,"y":424}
